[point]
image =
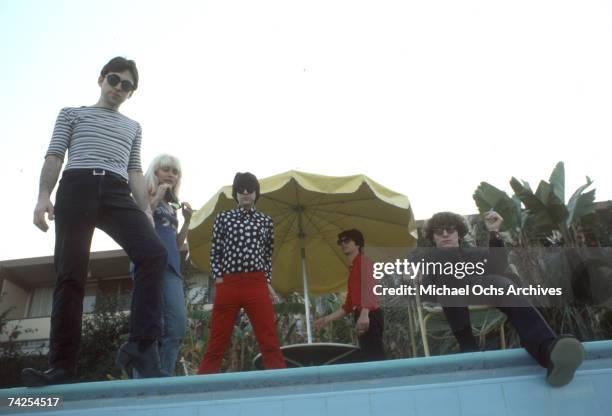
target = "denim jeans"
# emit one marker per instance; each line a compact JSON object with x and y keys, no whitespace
{"x":85,"y":201}
{"x":174,"y":321}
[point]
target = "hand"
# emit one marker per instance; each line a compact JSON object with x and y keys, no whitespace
{"x":43,"y":206}
{"x":493,"y":221}
{"x":187,"y":211}
{"x":273,"y":296}
{"x":149,"y":215}
{"x":363,"y":324}
{"x":320,"y":323}
{"x":161,"y":190}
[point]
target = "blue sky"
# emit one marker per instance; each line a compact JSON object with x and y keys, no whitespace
{"x":427,"y":98}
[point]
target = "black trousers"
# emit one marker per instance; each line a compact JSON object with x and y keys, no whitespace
{"x":83,"y":202}
{"x":371,"y":342}
{"x":533,"y":330}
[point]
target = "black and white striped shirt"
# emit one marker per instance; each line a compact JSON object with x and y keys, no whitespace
{"x":97,"y":138}
{"x":242,"y":241}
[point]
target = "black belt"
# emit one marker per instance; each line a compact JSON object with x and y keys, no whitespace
{"x":95,"y":172}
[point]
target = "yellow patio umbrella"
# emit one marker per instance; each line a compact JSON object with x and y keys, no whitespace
{"x":309,"y":211}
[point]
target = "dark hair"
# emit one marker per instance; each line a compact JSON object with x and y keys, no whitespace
{"x":442,"y":219}
{"x":355,"y":235}
{"x":245,"y":180}
{"x":120,"y":64}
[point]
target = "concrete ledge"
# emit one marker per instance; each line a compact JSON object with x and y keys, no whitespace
{"x":483,"y":370}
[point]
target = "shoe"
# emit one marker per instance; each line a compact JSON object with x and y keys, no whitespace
{"x":146,"y":360}
{"x":36,"y":378}
{"x":565,"y":355}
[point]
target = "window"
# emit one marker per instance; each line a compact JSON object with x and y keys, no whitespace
{"x":120,"y":289}
{"x":42,"y":300}
{"x":89,"y":301}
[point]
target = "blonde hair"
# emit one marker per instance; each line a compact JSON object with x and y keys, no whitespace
{"x":163,"y":161}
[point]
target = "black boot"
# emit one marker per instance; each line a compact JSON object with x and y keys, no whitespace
{"x":564,"y":356}
{"x":142,"y":357}
{"x":37,"y":378}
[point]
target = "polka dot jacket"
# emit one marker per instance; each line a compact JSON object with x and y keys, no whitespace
{"x":243,"y":241}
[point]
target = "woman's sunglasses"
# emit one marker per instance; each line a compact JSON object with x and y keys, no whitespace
{"x":113,"y":80}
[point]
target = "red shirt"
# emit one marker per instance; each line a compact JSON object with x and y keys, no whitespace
{"x":360,"y":286}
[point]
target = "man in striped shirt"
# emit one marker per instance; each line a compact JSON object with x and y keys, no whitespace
{"x":102,"y":173}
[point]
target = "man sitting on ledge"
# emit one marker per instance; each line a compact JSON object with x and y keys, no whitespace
{"x":560,"y":355}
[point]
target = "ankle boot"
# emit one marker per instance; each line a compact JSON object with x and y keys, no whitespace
{"x":37,"y":378}
{"x":145,"y":359}
{"x":565,"y":354}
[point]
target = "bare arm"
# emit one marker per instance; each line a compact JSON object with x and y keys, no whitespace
{"x":321,"y":322}
{"x":340,"y":313}
{"x":139,"y":191}
{"x":48,"y":178}
{"x":182,"y":235}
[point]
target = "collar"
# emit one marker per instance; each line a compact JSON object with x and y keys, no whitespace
{"x":243,"y":211}
{"x":355,"y":261}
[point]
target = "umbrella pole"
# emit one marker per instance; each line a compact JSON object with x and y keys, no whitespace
{"x":300,"y":209}
{"x":306,"y":298}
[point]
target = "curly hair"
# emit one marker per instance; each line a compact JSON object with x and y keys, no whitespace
{"x":441,"y":219}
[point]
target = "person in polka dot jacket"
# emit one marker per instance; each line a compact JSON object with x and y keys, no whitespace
{"x":241,"y":263}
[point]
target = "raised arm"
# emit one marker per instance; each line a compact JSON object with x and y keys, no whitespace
{"x":497,"y":255}
{"x":182,"y":234}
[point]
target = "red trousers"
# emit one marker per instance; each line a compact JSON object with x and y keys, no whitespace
{"x":248,"y":291}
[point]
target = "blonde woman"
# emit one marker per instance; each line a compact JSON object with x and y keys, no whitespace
{"x":163,"y":182}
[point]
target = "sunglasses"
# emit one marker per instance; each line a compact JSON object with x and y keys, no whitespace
{"x":343,"y":240}
{"x":440,"y":230}
{"x":113,"y":80}
{"x":243,"y":189}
